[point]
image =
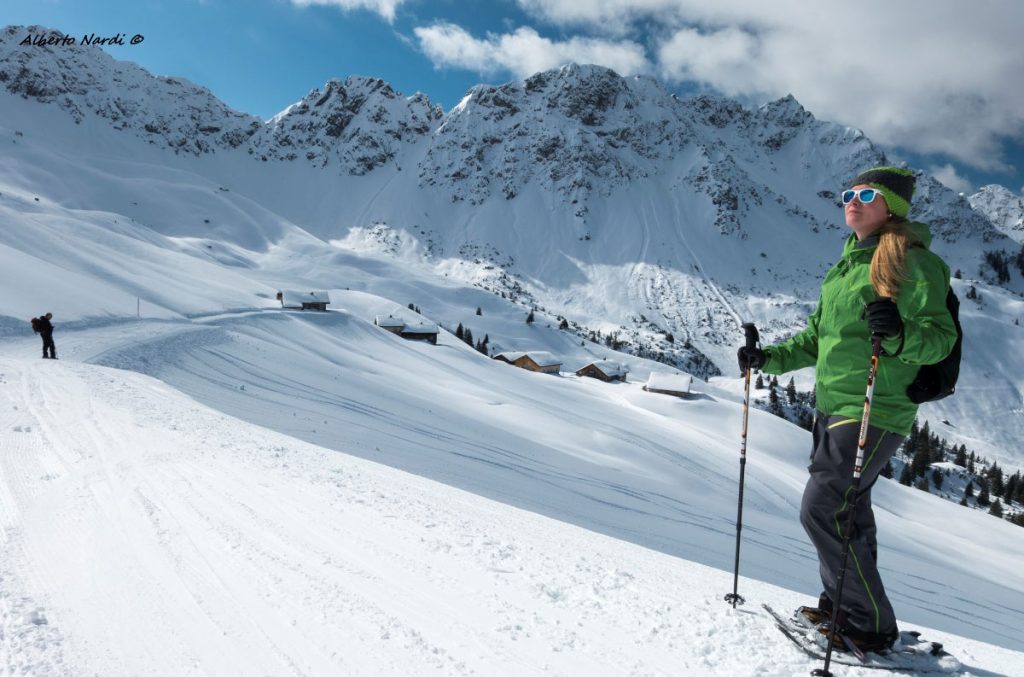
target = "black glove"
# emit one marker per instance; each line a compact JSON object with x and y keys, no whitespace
{"x":884,"y":318}
{"x":751,"y":357}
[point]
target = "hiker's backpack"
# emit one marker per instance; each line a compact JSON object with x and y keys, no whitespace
{"x":36,"y":325}
{"x":935,"y":381}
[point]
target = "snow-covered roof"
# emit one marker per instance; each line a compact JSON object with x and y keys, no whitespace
{"x":510,"y":356}
{"x":660,"y":380}
{"x":611,"y":368}
{"x":297,"y":298}
{"x":389,"y":321}
{"x":421,"y":327}
{"x":543,"y":358}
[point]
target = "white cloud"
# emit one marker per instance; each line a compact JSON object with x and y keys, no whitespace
{"x":385,"y":8}
{"x":947,"y":176}
{"x":934,"y":77}
{"x":525,"y":52}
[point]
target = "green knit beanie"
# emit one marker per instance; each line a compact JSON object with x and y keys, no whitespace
{"x":896,"y":184}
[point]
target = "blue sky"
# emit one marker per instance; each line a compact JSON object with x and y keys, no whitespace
{"x":936,"y":85}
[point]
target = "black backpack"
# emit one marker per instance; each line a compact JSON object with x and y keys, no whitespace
{"x":36,"y":325}
{"x":936,"y":381}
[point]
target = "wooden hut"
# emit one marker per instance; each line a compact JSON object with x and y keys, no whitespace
{"x":605,"y":370}
{"x":669,"y":384}
{"x":304,"y":300}
{"x":420,"y":331}
{"x":536,"y":360}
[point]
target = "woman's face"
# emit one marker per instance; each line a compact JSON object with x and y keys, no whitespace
{"x":865,"y":219}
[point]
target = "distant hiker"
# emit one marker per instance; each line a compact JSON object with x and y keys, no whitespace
{"x":43,"y":326}
{"x":886,"y":284}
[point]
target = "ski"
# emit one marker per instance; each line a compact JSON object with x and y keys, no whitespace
{"x":912,"y":654}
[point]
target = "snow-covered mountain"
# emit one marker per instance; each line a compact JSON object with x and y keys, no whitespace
{"x":603,"y":200}
{"x":1003,"y":207}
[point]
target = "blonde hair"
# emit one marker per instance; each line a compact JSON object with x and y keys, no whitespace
{"x":889,"y":263}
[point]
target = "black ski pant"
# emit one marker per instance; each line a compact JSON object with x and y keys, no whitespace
{"x":825,"y":510}
{"x":48,"y":344}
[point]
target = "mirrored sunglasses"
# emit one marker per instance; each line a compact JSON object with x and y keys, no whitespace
{"x":865,"y":195}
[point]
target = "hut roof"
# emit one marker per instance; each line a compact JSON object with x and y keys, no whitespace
{"x":421,"y":327}
{"x":297,"y":298}
{"x":610,"y":368}
{"x":509,"y":356}
{"x":679,"y":383}
{"x":389,"y":321}
{"x":543,"y":358}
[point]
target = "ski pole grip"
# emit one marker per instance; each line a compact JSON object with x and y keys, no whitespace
{"x":751,"y":331}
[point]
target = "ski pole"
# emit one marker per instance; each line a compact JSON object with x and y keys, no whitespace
{"x":752,"y":341}
{"x":876,"y":349}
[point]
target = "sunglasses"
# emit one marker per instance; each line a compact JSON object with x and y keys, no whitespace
{"x":865,"y":195}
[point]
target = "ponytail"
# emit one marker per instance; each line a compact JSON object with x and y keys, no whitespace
{"x":888,"y":265}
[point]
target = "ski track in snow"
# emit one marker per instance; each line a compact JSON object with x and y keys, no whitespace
{"x":163,"y":537}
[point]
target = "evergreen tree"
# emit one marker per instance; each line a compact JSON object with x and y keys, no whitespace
{"x":529,"y":318}
{"x":996,"y":509}
{"x":995,"y":479}
{"x":774,"y":383}
{"x":937,"y":479}
{"x":1018,"y":519}
{"x":806,"y":421}
{"x":924,"y":441}
{"x":920,"y":463}
{"x":1010,"y":488}
{"x":774,"y":405}
{"x":791,"y":391}
{"x":468,"y":336}
{"x":922,"y":484}
{"x":983,"y":496}
{"x":564,"y":324}
{"x":963,"y":501}
{"x":961,"y":456}
{"x":759,"y":383}
{"x":460,"y":333}
{"x":906,"y":477}
{"x":969,"y":489}
{"x":478,"y":311}
{"x":669,"y":337}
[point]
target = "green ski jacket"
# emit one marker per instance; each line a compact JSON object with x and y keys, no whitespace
{"x":838,"y":343}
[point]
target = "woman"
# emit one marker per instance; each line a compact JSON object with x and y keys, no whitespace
{"x":887,"y":284}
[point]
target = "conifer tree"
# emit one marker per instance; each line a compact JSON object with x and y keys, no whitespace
{"x":478,"y":311}
{"x":996,"y":509}
{"x":529,"y":318}
{"x":995,"y":479}
{"x":759,"y":384}
{"x":906,"y":477}
{"x":791,"y":391}
{"x":983,"y":495}
{"x":923,"y":484}
{"x":937,"y":479}
{"x":961,"y":456}
{"x":774,"y":405}
{"x":460,"y":333}
{"x":468,"y":336}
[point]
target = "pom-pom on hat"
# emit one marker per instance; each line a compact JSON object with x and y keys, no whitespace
{"x":896,"y":184}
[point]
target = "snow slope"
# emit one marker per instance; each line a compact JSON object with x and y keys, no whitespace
{"x":146,"y":534}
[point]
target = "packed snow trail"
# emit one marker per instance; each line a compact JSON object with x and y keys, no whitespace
{"x":158,"y":537}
